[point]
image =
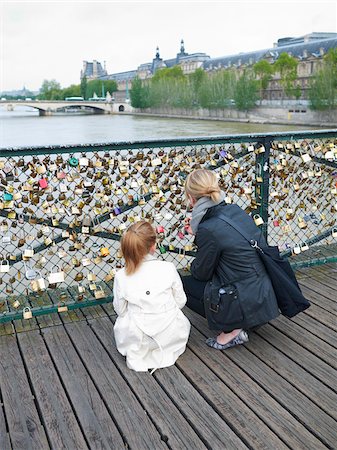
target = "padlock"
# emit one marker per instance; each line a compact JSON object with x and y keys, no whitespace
{"x":297,"y":249}
{"x":104,"y":251}
{"x":27,"y":313}
{"x":258,"y":220}
{"x":4,"y":266}
{"x":62,"y":307}
{"x":334,"y":233}
{"x":99,"y":293}
{"x":56,"y":277}
{"x":43,"y":183}
{"x":16,"y":303}
{"x":28,"y":252}
{"x":91,"y":276}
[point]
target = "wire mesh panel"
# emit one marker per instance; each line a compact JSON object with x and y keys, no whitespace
{"x":303,"y":196}
{"x":63,"y":210}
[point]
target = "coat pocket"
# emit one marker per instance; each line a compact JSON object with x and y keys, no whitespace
{"x":223,"y":308}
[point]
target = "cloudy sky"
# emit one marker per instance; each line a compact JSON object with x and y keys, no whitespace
{"x":50,"y":39}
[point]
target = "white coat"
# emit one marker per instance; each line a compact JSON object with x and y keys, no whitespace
{"x":151,"y":330}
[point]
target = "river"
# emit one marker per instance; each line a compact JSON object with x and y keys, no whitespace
{"x":23,"y":127}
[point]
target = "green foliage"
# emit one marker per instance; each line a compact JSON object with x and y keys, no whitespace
{"x":217,"y":90}
{"x":50,"y":90}
{"x":323,"y":86}
{"x":245,"y":94}
{"x":72,"y":91}
{"x":83,"y":87}
{"x":264,"y":72}
{"x":174,"y":72}
{"x":139,"y":94}
{"x":286,"y":66}
{"x":100,"y":87}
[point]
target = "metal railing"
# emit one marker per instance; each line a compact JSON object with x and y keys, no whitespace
{"x":63,"y":209}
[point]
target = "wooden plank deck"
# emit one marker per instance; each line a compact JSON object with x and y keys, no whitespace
{"x":63,"y":385}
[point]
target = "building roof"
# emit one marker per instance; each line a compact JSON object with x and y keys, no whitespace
{"x":301,"y":51}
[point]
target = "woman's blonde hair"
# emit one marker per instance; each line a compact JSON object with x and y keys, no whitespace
{"x":202,"y":183}
{"x":136,"y":243}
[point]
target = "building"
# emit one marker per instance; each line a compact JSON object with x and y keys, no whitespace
{"x":308,"y":50}
{"x":93,"y":70}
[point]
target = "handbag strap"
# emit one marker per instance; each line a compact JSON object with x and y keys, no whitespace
{"x":253,"y":243}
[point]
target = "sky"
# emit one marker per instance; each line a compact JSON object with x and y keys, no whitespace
{"x":42,"y":40}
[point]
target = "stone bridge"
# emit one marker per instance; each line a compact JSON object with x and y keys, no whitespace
{"x":49,"y":107}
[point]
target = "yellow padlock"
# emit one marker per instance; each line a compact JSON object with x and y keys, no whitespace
{"x":104,"y":251}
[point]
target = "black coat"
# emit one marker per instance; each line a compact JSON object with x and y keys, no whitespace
{"x":225,"y":257}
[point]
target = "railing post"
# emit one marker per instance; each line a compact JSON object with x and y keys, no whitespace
{"x":262,"y":188}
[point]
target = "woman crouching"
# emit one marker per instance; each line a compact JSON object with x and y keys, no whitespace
{"x":229,"y":284}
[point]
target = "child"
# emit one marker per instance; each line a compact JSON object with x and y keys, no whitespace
{"x":151,"y":330}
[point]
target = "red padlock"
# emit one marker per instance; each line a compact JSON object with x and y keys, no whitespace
{"x":276,"y":223}
{"x":43,"y":183}
{"x":160,"y":229}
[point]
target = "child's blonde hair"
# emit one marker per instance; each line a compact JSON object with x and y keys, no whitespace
{"x":202,"y":183}
{"x":136,"y":243}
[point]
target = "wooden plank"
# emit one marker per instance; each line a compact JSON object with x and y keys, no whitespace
{"x":66,"y":316}
{"x":316,"y":328}
{"x":60,"y":421}
{"x":277,"y":418}
{"x":248,"y":427}
{"x":4,"y":435}
{"x":169,"y":420}
{"x":134,"y":424}
{"x":320,"y":424}
{"x":100,"y":431}
{"x":302,"y":357}
{"x":320,"y":294}
{"x":320,"y":394}
{"x":319,"y":299}
{"x":323,"y":316}
{"x":25,"y":428}
{"x":328,"y":279}
{"x":307,"y":340}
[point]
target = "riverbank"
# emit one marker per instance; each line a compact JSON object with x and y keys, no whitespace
{"x":295,"y":115}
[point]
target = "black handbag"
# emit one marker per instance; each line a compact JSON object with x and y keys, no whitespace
{"x":290,"y":299}
{"x":222,"y":306}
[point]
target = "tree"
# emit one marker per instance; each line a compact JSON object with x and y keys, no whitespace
{"x":286,"y":66}
{"x":50,"y":90}
{"x":83,"y":87}
{"x":139,"y":94}
{"x":174,"y":72}
{"x":245,"y":94}
{"x":71,"y":91}
{"x":101,"y":87}
{"x":323,"y":86}
{"x":264,"y":71}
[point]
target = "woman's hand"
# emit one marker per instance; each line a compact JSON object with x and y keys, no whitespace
{"x":187,"y":226}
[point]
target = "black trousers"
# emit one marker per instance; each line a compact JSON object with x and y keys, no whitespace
{"x":194,"y":290}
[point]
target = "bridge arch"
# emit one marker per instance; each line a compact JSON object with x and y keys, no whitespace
{"x":121,"y":108}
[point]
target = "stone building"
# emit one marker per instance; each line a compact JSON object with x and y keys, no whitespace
{"x":308,"y":50}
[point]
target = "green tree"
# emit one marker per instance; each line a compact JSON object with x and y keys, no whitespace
{"x":286,"y":66}
{"x":71,"y":91}
{"x":139,"y":94}
{"x":174,"y":72}
{"x":197,"y":78}
{"x":101,"y":87}
{"x":245,"y":94}
{"x":264,"y":72}
{"x":323,"y":85}
{"x":50,"y":90}
{"x":83,"y":87}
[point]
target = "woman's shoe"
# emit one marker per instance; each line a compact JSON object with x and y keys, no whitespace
{"x":239,"y":339}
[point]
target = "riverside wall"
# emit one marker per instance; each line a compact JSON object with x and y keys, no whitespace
{"x":299,"y":115}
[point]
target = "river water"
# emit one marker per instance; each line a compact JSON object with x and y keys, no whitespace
{"x":23,"y":127}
